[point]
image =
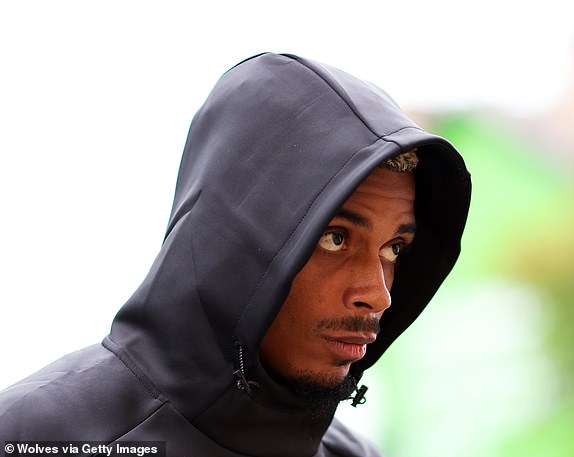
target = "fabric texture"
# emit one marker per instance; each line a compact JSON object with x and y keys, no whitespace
{"x":278,"y":146}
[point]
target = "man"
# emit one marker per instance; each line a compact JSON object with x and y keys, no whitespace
{"x":293,"y":229}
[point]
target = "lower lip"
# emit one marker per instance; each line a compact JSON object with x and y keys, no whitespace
{"x":348,"y":351}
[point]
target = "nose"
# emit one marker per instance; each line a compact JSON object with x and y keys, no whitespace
{"x":369,"y":286}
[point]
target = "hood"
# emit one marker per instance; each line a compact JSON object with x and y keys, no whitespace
{"x":278,"y":146}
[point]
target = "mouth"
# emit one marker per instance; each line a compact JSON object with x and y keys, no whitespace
{"x":350,"y":347}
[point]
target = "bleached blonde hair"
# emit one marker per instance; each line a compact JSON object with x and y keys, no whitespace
{"x":402,"y":163}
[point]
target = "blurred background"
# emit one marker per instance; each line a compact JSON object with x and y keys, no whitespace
{"x":95,"y":102}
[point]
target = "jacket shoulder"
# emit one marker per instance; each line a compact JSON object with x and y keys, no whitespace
{"x":87,"y":395}
{"x":340,"y":441}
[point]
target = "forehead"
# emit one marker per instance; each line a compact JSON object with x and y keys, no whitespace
{"x":384,"y":187}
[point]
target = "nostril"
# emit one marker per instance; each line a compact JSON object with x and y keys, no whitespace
{"x":362,"y":304}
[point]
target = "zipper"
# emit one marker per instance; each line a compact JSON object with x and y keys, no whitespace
{"x":241,"y":382}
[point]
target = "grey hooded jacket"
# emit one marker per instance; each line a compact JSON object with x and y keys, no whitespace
{"x":278,"y":146}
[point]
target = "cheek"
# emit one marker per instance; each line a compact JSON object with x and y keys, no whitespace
{"x":316,"y":294}
{"x":299,"y":303}
{"x":312,"y":286}
{"x":389,"y":274}
{"x":292,"y":319}
{"x":296,"y":312}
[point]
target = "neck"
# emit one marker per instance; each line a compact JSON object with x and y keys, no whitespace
{"x":272,"y":421}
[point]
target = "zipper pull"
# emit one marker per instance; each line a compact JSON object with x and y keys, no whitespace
{"x":241,"y":381}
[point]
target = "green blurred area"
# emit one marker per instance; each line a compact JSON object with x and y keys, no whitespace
{"x":522,"y":227}
{"x":488,"y":369}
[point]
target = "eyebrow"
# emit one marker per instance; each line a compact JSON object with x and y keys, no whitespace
{"x":354,"y":218}
{"x":407,"y":228}
{"x":362,"y":221}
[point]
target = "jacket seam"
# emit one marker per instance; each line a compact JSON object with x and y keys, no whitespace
{"x":349,"y":105}
{"x":133,"y":368}
{"x":137,"y":425}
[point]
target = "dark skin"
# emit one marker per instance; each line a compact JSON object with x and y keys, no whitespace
{"x":336,"y":300}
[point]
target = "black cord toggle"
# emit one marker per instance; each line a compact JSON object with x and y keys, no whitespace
{"x":360,"y":398}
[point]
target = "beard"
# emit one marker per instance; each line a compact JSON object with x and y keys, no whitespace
{"x":321,"y":393}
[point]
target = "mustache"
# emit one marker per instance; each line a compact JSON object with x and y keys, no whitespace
{"x":354,"y":324}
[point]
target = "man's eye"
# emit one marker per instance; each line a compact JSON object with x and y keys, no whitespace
{"x":391,"y":252}
{"x":332,"y":241}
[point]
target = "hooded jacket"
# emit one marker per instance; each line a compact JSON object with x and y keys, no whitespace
{"x":280,"y":143}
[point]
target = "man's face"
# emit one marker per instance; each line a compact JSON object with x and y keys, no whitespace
{"x":338,"y":297}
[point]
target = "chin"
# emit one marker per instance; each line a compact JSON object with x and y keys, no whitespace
{"x":331,"y":378}
{"x":323,"y":391}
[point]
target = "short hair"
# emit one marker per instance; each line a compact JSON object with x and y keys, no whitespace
{"x":402,"y":163}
